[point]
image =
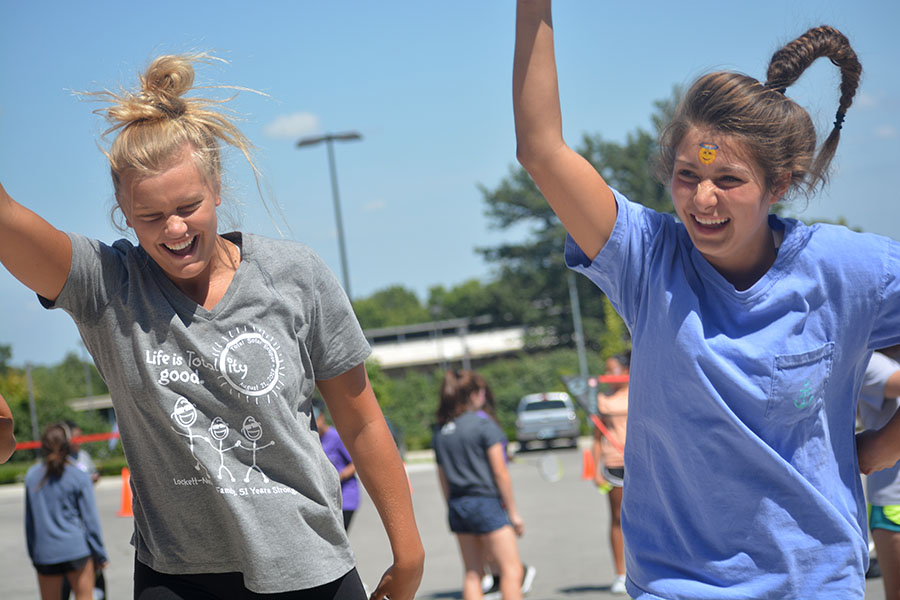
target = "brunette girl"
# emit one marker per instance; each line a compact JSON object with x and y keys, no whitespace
{"x":751,"y":332}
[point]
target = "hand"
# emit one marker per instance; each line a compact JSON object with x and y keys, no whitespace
{"x":599,"y":480}
{"x":399,"y":583}
{"x":874,"y":452}
{"x":517,"y":523}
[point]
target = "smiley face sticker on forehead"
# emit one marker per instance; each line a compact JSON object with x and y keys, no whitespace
{"x":707,"y":152}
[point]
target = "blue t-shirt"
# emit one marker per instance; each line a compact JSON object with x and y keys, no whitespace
{"x":61,"y":519}
{"x":743,"y":479}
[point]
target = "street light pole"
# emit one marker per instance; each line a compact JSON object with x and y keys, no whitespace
{"x":329,"y":139}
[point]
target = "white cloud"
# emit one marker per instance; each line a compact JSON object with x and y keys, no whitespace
{"x":374,"y":206}
{"x":864,"y":100}
{"x":293,"y":125}
{"x":886,"y":132}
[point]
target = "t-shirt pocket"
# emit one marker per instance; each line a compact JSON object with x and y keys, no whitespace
{"x":798,"y":385}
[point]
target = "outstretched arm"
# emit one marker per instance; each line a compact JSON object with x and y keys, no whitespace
{"x":35,"y":252}
{"x":7,"y":432}
{"x":574,"y":189}
{"x":879,"y":449}
{"x":362,"y":428}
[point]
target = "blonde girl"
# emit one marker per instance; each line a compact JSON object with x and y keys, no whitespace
{"x":212,"y":346}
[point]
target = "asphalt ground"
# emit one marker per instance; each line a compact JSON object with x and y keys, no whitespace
{"x":566,"y":535}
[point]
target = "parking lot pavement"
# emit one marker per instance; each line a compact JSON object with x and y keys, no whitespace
{"x":566,"y":535}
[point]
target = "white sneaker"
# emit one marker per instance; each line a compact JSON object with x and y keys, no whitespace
{"x":528,"y":578}
{"x":490,"y":585}
{"x":618,"y":586}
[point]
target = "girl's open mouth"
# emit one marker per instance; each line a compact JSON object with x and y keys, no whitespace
{"x":710,"y":224}
{"x":182,"y":249}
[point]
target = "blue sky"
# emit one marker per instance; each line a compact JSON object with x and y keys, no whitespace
{"x":427,"y":84}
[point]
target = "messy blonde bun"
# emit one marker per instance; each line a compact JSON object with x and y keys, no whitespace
{"x":153,"y":124}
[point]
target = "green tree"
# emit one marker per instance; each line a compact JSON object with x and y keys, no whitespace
{"x":471,"y":298}
{"x":390,"y":307}
{"x":53,"y":387}
{"x":5,"y":356}
{"x":408,"y":402}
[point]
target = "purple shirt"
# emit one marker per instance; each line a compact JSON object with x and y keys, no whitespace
{"x":340,"y":458}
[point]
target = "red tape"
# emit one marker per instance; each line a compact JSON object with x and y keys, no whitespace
{"x":91,"y":437}
{"x":599,"y":425}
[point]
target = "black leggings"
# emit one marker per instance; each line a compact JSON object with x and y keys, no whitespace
{"x":153,"y":585}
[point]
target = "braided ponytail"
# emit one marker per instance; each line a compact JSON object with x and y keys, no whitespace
{"x":790,"y":62}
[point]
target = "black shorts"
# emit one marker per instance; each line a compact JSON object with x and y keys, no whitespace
{"x":63,"y":567}
{"x":153,"y":585}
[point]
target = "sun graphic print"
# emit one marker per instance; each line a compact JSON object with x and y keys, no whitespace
{"x":249,"y":364}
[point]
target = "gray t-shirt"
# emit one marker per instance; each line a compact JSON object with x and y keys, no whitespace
{"x":882,"y":487}
{"x":460,"y":448}
{"x":214,"y":407}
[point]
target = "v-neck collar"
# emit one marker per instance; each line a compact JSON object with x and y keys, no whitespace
{"x":794,"y":236}
{"x":186,"y":306}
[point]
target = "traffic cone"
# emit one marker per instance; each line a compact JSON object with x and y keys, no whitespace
{"x":125,"y":509}
{"x":588,"y":468}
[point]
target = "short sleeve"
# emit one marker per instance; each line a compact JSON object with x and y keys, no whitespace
{"x":886,"y":327}
{"x":490,"y":433}
{"x":877,"y":373}
{"x":337,"y":342}
{"x":620,"y":266}
{"x":97,"y":272}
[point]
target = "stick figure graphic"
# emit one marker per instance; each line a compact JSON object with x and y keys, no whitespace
{"x":219,"y":430}
{"x":252,"y":430}
{"x":185,"y":414}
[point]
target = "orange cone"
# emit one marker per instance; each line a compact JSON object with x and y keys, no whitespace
{"x":125,"y":510}
{"x":588,"y":468}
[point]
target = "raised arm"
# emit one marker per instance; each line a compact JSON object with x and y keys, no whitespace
{"x":364,"y":431}
{"x":574,"y":189}
{"x":35,"y":252}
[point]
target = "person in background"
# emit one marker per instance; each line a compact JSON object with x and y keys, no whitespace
{"x":7,"y":431}
{"x":340,"y":458}
{"x":475,"y":481}
{"x":609,"y":458}
{"x":750,"y":331}
{"x":878,"y":403}
{"x":490,"y":583}
{"x":62,"y":526}
{"x":80,"y":457}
